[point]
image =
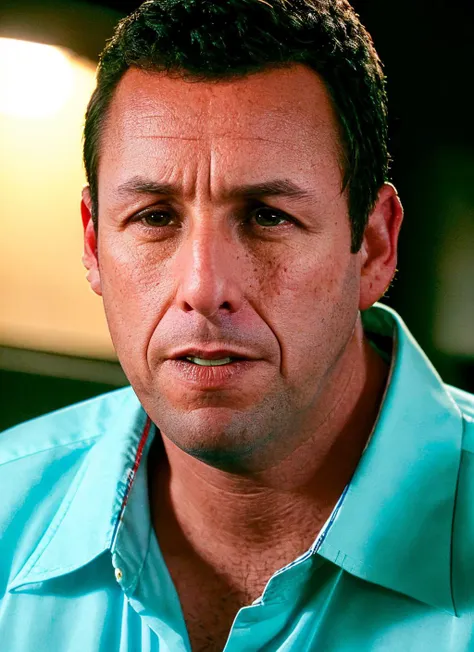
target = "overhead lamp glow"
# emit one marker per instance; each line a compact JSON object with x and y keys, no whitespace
{"x":35,"y":80}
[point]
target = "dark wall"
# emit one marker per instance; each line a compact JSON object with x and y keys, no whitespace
{"x":428,"y":52}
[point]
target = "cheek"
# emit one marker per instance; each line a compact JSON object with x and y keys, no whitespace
{"x":134,"y":287}
{"x":314,"y":306}
{"x":307,"y":280}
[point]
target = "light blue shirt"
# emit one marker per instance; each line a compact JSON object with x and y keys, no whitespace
{"x":393,"y":570}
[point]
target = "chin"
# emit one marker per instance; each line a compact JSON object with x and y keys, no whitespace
{"x":227,"y":438}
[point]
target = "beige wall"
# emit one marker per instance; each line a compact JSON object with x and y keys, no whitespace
{"x":45,"y":301}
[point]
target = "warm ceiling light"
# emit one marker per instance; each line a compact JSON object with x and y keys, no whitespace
{"x":35,"y":79}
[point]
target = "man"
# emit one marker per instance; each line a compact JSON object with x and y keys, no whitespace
{"x":288,"y":472}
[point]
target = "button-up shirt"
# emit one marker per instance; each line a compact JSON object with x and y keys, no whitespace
{"x":392,"y":570}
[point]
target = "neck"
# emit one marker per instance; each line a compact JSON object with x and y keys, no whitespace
{"x":212,"y":512}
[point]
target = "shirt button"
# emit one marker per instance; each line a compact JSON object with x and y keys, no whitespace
{"x":118,"y":574}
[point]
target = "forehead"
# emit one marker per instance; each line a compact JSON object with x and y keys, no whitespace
{"x":286,"y":98}
{"x":297,"y":92}
{"x":276,"y":115}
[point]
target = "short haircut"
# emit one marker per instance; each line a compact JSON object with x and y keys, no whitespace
{"x":213,"y":41}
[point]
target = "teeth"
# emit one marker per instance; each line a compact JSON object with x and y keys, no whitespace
{"x":209,"y":363}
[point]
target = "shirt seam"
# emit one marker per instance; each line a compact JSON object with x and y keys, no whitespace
{"x":451,"y":540}
{"x":50,"y":448}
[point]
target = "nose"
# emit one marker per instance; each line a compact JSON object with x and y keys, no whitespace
{"x":209,"y":272}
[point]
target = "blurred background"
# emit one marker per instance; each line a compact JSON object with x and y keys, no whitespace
{"x":54,"y":344}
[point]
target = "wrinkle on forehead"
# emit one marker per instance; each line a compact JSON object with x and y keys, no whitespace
{"x":287,"y":143}
{"x":154,"y":119}
{"x":277,"y":134}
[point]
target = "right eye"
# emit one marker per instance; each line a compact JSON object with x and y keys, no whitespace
{"x":154,"y":218}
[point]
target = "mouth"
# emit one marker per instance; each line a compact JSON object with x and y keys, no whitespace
{"x":202,"y":362}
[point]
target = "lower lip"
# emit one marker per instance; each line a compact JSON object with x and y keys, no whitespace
{"x":205,"y":377}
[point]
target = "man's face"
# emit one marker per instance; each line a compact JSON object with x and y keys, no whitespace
{"x":191,"y":257}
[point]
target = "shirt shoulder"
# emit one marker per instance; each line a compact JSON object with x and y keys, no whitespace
{"x":462,"y":542}
{"x":465,"y":402}
{"x":39,"y":462}
{"x":464,"y":399}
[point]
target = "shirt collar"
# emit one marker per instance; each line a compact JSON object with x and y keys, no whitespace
{"x":86,"y":522}
{"x":394,"y":526}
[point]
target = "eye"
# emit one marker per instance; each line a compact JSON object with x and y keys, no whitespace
{"x":268,"y":217}
{"x":155,"y":218}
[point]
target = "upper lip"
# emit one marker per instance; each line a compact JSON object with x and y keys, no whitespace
{"x":211,"y":354}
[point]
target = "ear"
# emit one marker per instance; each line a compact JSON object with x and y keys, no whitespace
{"x":380,"y":247}
{"x":90,"y":259}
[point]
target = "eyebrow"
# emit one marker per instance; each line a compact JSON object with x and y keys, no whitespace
{"x":272,"y":188}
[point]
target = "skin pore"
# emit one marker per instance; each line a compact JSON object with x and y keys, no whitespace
{"x":188,"y":255}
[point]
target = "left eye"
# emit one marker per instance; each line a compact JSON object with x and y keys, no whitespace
{"x":267,"y":217}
